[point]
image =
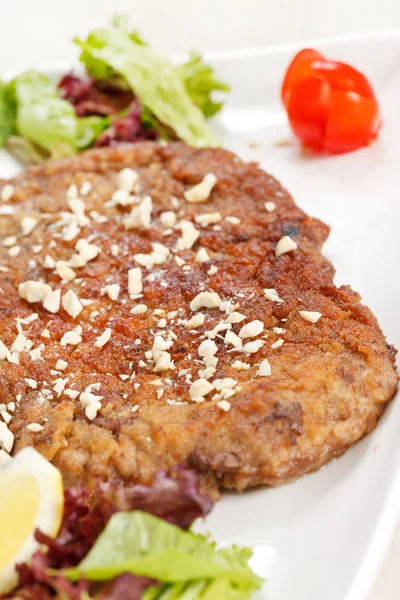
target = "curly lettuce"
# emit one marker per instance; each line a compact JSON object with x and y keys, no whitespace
{"x":107,"y":53}
{"x":39,"y":121}
{"x":188,"y":565}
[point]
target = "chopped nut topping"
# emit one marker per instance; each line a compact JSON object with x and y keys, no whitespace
{"x":285,"y":244}
{"x":251,"y":329}
{"x":200,"y":388}
{"x":179,"y":261}
{"x":270,"y":206}
{"x":6,"y":416}
{"x":278,"y":330}
{"x":104,"y":338}
{"x":6,"y":210}
{"x":207,"y":348}
{"x":233,"y":220}
{"x":4,"y":352}
{"x":91,"y":403}
{"x":224,"y":405}
{"x":201,"y":191}
{"x":34,"y":291}
{"x":6,"y":436}
{"x":86,"y":188}
{"x":208,"y":219}
{"x":32,"y":383}
{"x":71,"y":304}
{"x":127,"y":179}
{"x":73,"y":394}
{"x":140,"y":216}
{"x":59,"y":385}
{"x":61,"y":365}
{"x":168,"y":218}
{"x":114,"y":249}
{"x":232,"y":339}
{"x":35,"y":427}
{"x":252,"y":347}
{"x":227,"y":307}
{"x":123,"y":198}
{"x":202,"y":256}
{"x":310,"y":316}
{"x":158,"y":256}
{"x":205,"y":300}
{"x":64,"y":271}
{"x":277,"y":344}
{"x":163,"y":362}
{"x":235,"y":317}
{"x":272,"y":295}
{"x":77,"y":206}
{"x":195,"y":321}
{"x":52,"y":301}
{"x":87,"y":251}
{"x":71,"y":338}
{"x":10,"y":241}
{"x":36,"y":354}
{"x":7,"y":192}
{"x":139,"y":309}
{"x":160,"y":344}
{"x":207,"y":372}
{"x":14,"y":251}
{"x":264,"y":370}
{"x":135,"y":285}
{"x":238,"y":365}
{"x":49,"y":262}
{"x":28,"y":224}
{"x":189,"y":235}
{"x":212,"y":270}
{"x":21,"y":343}
{"x":225,"y":383}
{"x":72,"y":191}
{"x":112,"y":290}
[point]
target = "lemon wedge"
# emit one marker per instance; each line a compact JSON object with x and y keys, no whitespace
{"x":31,"y":497}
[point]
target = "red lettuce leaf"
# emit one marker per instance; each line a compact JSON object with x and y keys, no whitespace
{"x":127,"y":128}
{"x":125,"y":587}
{"x":93,"y":96}
{"x":173,"y":496}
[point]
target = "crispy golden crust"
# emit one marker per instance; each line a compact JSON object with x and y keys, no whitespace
{"x":330,"y":380}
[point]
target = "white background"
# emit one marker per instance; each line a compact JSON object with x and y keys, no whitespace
{"x":35,"y":31}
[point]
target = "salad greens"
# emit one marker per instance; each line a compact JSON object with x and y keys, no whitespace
{"x":200,"y":81}
{"x":153,"y":78}
{"x":7,"y":114}
{"x":47,"y":125}
{"x":40,"y":120}
{"x":188,"y":565}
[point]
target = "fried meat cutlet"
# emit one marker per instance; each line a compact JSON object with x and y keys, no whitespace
{"x":147,"y":320}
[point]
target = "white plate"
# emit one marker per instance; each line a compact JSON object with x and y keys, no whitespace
{"x":331,"y":529}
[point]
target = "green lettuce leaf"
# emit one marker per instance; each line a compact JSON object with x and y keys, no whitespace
{"x":29,"y":153}
{"x":42,"y":116}
{"x":214,"y":589}
{"x":46,"y":126}
{"x":200,"y":81}
{"x":7,"y":113}
{"x":89,"y":129}
{"x":154,"y":79}
{"x":144,"y":545}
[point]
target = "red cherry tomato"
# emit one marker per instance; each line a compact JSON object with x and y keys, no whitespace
{"x":299,"y":68}
{"x":331,"y":106}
